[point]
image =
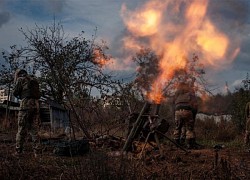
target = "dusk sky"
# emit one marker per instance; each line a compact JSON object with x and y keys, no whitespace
{"x":230,"y":19}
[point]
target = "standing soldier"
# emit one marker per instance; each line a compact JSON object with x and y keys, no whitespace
{"x":247,"y":132}
{"x":27,"y":89}
{"x":185,"y":103}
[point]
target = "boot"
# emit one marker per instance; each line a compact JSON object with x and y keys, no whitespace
{"x":191,"y":144}
{"x":182,"y":141}
{"x":19,"y":150}
{"x":177,"y":141}
{"x":18,"y":153}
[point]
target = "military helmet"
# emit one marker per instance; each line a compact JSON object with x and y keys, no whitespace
{"x":20,"y":72}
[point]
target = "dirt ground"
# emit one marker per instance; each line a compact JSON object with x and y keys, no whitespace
{"x":103,"y":162}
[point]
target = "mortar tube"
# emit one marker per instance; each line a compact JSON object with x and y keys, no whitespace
{"x":157,"y":109}
{"x":145,"y":109}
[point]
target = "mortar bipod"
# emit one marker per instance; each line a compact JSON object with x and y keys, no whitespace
{"x":154,"y":124}
{"x":150,"y":125}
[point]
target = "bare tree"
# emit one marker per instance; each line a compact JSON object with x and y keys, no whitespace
{"x":8,"y":67}
{"x":68,"y":67}
{"x":148,"y":68}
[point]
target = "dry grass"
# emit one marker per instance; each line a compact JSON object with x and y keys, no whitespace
{"x":232,"y":162}
{"x":102,"y":163}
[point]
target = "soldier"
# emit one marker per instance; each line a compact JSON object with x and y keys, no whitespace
{"x":247,"y":132}
{"x":185,"y":103}
{"x":27,"y":89}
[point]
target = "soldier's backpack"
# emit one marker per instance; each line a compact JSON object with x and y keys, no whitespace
{"x":183,"y":98}
{"x":187,"y":100}
{"x":32,"y":88}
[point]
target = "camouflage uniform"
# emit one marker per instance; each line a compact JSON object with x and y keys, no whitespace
{"x":28,"y":113}
{"x":247,"y":133}
{"x":185,"y":109}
